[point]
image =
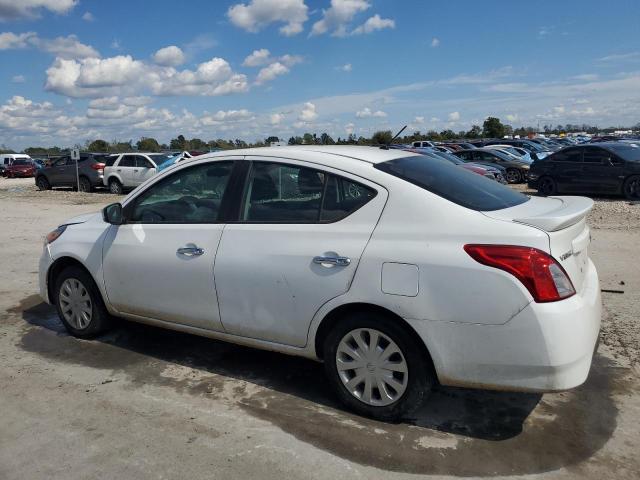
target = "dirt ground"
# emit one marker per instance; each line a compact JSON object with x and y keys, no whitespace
{"x":143,"y":403}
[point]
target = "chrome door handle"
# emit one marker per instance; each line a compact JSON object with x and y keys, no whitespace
{"x":339,"y":261}
{"x":190,"y":251}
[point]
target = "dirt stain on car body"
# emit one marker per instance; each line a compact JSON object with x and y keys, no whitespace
{"x":458,"y":432}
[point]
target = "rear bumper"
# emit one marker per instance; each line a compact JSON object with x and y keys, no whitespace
{"x":545,"y":347}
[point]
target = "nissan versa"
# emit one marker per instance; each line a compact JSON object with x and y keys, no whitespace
{"x":396,"y":271}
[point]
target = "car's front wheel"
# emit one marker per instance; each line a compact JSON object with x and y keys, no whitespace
{"x":79,"y":303}
{"x":513,"y":176}
{"x":42,"y":183}
{"x":376,"y":367}
{"x":115,"y":186}
{"x":547,"y":186}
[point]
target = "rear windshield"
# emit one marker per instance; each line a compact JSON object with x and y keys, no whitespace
{"x":628,"y":151}
{"x":454,"y":183}
{"x":22,"y":162}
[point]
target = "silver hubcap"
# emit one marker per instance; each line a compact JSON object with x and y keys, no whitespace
{"x":75,"y":303}
{"x":372,"y":367}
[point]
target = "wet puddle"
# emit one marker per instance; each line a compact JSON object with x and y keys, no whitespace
{"x":458,"y":432}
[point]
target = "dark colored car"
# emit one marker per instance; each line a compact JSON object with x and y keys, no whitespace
{"x":516,"y":171}
{"x":536,"y":151}
{"x":20,"y":168}
{"x":610,"y":168}
{"x":494,"y":173}
{"x":62,"y":172}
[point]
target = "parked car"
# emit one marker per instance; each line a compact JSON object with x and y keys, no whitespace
{"x":536,"y":151}
{"x":356,"y":256}
{"x":21,"y":167}
{"x":422,"y":144}
{"x":6,"y":159}
{"x":128,"y":170}
{"x":493,"y":172}
{"x":516,"y":170}
{"x":172,"y":159}
{"x":609,"y":168}
{"x":515,"y":152}
{"x":62,"y":172}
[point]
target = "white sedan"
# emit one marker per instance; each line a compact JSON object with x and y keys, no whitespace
{"x":397,"y":272}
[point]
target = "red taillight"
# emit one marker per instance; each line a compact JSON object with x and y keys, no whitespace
{"x":98,"y":166}
{"x":543,"y":276}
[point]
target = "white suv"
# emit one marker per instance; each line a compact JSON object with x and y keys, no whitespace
{"x":128,"y":170}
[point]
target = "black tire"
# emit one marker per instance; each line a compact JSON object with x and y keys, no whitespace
{"x":85,"y":185}
{"x":42,"y":183}
{"x":513,"y":176}
{"x":115,"y":186}
{"x":547,"y":186}
{"x":100,"y":320}
{"x":421,"y":378}
{"x":631,"y":187}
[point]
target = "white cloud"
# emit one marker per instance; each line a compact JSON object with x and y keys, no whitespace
{"x":18,"y":79}
{"x":435,"y":42}
{"x":346,"y":67}
{"x":368,"y":113}
{"x":222,"y":116}
{"x":308,"y":113}
{"x":170,"y":56}
{"x":64,"y":47}
{"x":88,"y":17}
{"x":257,"y":58}
{"x":11,"y":41}
{"x":454,"y":116}
{"x":621,"y":57}
{"x":17,"y":9}
{"x":512,"y":117}
{"x":270,"y":72}
{"x":258,"y":14}
{"x":559,"y":109}
{"x":338,"y":16}
{"x":123,"y":75}
{"x":418,"y":120}
{"x":276,"y":118}
{"x":374,"y":23}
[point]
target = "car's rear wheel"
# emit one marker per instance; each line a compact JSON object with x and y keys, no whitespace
{"x":376,"y":368}
{"x":115,"y":186}
{"x":547,"y":186}
{"x":42,"y":183}
{"x":79,"y":303}
{"x":631,"y":187}
{"x":513,"y":176}
{"x":85,"y":185}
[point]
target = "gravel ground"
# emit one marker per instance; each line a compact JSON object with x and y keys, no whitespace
{"x":147,"y":403}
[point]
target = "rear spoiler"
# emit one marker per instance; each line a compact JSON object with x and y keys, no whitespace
{"x":570,"y":212}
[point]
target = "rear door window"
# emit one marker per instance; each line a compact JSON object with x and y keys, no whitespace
{"x":127,"y":161}
{"x":453,"y":183}
{"x":569,"y":155}
{"x":142,"y":162}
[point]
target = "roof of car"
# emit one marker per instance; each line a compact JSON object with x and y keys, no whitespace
{"x":367,"y":154}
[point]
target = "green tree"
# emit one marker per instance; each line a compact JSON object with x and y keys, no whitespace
{"x":270,"y":139}
{"x":179,"y":143}
{"x":326,"y":139}
{"x":381,"y":137}
{"x":197,"y":144}
{"x":475,"y":132}
{"x":493,"y":128}
{"x":98,"y":146}
{"x":147,"y":144}
{"x":307,"y":139}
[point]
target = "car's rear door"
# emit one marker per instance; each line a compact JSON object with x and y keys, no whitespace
{"x":159,"y":264}
{"x":602,"y":171}
{"x":296,"y":244}
{"x":566,"y":168}
{"x":125,"y":169}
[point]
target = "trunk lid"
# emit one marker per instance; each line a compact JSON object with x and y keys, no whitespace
{"x":563,"y":219}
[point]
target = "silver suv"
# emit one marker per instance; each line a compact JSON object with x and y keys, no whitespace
{"x":128,"y":170}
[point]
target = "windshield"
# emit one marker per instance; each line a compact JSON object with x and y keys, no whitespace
{"x":22,"y":162}
{"x":457,"y":185}
{"x":159,"y":158}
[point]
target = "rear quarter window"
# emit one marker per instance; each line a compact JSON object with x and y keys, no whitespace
{"x":453,"y":183}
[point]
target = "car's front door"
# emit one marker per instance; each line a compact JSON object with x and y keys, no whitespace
{"x":159,"y":264}
{"x":602,"y":171}
{"x":297,"y":242}
{"x":143,"y":171}
{"x":566,"y":169}
{"x":125,"y":169}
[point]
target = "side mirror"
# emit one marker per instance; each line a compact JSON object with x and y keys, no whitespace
{"x":113,"y":214}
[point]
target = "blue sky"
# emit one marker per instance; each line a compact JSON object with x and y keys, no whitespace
{"x":82,"y":69}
